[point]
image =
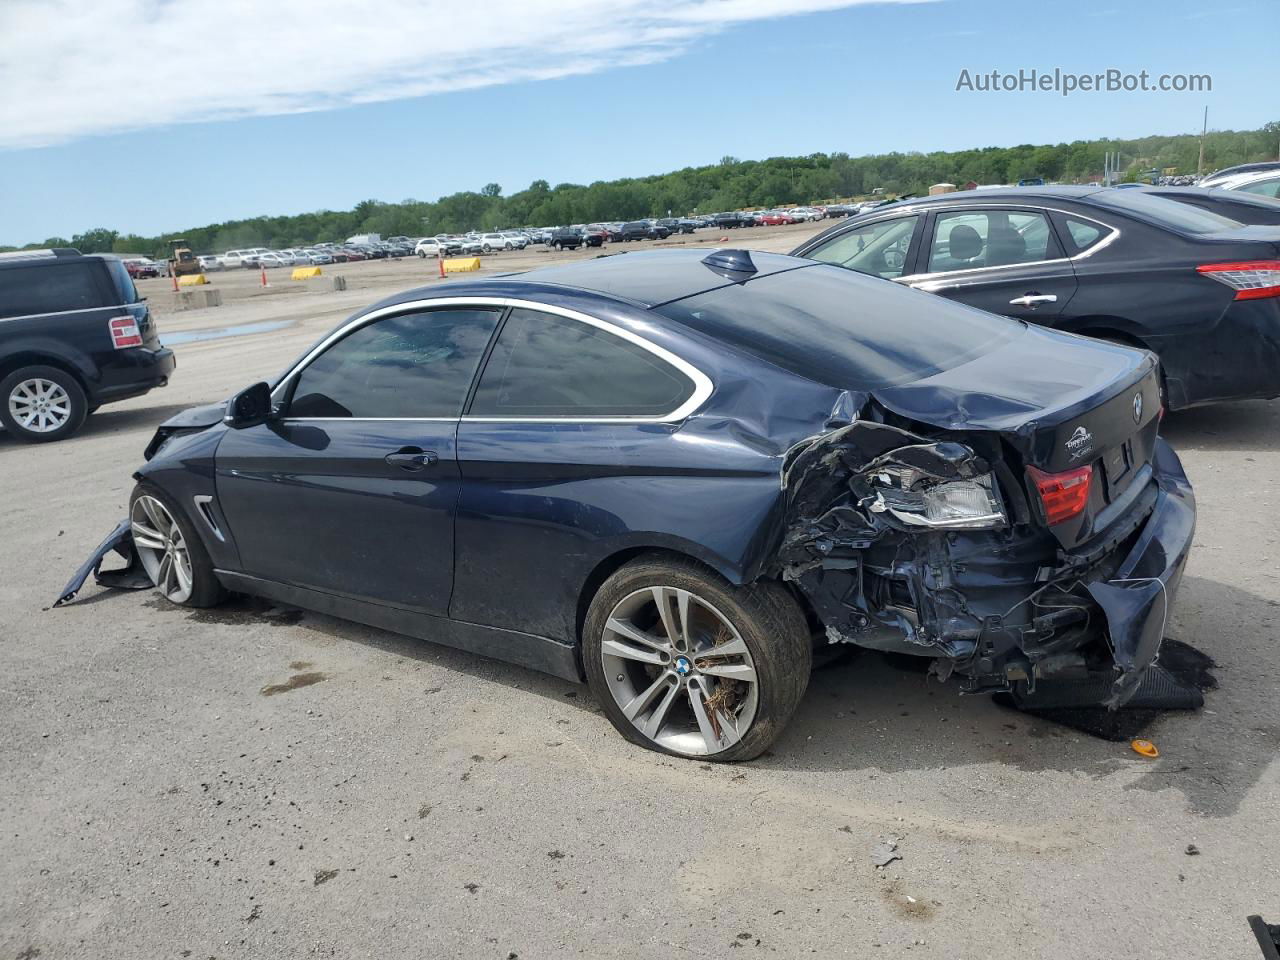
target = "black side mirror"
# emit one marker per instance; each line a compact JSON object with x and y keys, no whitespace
{"x":250,"y":407}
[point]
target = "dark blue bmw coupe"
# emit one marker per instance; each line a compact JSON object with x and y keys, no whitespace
{"x":678,"y":474}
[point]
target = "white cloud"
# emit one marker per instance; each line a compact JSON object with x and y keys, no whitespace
{"x":78,"y":68}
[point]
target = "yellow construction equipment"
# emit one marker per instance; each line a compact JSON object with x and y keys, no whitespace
{"x":305,"y":273}
{"x":182,"y":262}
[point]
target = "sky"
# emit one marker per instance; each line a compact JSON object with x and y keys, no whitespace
{"x":148,"y":116}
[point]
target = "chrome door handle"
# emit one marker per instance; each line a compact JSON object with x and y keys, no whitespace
{"x":1033,"y":300}
{"x":411,"y":459}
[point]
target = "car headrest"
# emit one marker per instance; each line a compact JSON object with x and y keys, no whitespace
{"x":965,"y":243}
{"x":1007,"y":245}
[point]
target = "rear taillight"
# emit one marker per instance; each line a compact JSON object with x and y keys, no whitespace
{"x":124,"y":332}
{"x":1065,"y":494}
{"x":1251,"y":279}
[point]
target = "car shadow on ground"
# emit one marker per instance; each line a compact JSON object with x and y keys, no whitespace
{"x":871,"y":713}
{"x":108,"y":421}
{"x":882,"y":715}
{"x":1248,"y":424}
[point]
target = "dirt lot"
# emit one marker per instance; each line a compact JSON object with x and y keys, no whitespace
{"x":259,"y":782}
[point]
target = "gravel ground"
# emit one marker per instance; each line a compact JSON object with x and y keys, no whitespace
{"x":254,"y":781}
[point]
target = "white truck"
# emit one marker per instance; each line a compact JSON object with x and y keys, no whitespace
{"x":365,"y":239}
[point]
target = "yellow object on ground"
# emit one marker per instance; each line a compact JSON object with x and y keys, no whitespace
{"x":462,"y":265}
{"x":305,"y":273}
{"x":1145,"y":747}
{"x":192,"y":280}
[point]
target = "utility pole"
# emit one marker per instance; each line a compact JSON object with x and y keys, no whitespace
{"x":1203,"y":130}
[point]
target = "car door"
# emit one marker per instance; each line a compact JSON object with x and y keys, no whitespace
{"x":558,"y":451}
{"x":1003,"y":259}
{"x":351,"y":489}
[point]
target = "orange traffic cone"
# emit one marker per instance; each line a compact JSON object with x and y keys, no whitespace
{"x":440,"y":257}
{"x":264,"y":277}
{"x":175,"y":280}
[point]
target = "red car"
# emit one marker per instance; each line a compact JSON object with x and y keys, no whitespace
{"x":142,"y":268}
{"x":773,"y":219}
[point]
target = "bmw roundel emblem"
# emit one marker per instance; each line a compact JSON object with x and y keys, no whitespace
{"x":1137,"y":408}
{"x":683,"y":666}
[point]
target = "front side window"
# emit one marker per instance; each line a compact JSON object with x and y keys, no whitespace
{"x":879,"y":249}
{"x":409,"y":366}
{"x":544,"y":365}
{"x":965,"y":240}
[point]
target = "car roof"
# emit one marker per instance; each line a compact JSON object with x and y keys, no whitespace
{"x":643,"y":279}
{"x":652,"y":277}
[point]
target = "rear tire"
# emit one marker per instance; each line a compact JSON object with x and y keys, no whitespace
{"x":658,"y":677}
{"x":40,"y":404}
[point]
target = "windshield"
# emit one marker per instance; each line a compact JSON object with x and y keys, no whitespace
{"x":844,"y":329}
{"x":1179,"y":217}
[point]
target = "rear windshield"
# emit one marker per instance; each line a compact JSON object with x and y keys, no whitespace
{"x":844,"y":329}
{"x":1162,"y":211}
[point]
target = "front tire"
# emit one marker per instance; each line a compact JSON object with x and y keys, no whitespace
{"x":685,"y":663}
{"x":171,"y":551}
{"x":40,"y":404}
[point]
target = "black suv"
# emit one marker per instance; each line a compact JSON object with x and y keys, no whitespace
{"x":565,"y":238}
{"x":644,"y":230}
{"x":74,"y":334}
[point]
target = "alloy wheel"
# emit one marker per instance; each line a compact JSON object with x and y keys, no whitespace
{"x":162,"y":548}
{"x":39,"y":405}
{"x":679,"y":671}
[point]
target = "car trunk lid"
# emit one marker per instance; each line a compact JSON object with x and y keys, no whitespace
{"x":1099,"y":409}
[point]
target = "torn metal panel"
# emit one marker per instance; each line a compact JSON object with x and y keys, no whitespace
{"x":130,"y":577}
{"x":924,"y":543}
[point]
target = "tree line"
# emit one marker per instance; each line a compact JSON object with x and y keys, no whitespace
{"x":728,"y":185}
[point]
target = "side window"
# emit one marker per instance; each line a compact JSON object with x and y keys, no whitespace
{"x":545,"y":365}
{"x":52,"y":288}
{"x":963,"y":240}
{"x":1266,"y":188}
{"x":1083,"y":233}
{"x":879,"y":249}
{"x":413,"y":365}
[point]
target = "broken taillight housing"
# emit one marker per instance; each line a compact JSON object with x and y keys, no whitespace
{"x":1064,"y":494}
{"x":1251,"y":279}
{"x":920,"y":500}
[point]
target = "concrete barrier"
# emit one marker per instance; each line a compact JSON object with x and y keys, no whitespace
{"x":461,"y":265}
{"x":193,"y":280}
{"x":195,"y":299}
{"x":305,"y":273}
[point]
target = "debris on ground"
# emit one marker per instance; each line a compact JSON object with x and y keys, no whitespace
{"x":324,"y":876}
{"x":1144,"y":748}
{"x":885,"y":852}
{"x":1193,"y":850}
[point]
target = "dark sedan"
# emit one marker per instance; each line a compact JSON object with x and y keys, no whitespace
{"x":1200,"y":290}
{"x":677,"y":475}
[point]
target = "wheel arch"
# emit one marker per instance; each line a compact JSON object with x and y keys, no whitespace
{"x":610,"y":564}
{"x":37,"y":357}
{"x":1108,"y":328}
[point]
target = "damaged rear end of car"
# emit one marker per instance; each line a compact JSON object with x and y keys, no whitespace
{"x":1043,"y":549}
{"x":993,"y":496}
